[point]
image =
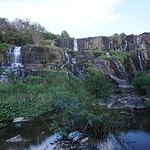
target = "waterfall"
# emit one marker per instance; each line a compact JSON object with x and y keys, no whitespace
{"x":108,"y":54}
{"x":67,"y":57}
{"x":75,"y":45}
{"x":16,"y":60}
{"x":74,"y":70}
{"x":140,"y":59}
{"x":120,"y":71}
{"x":132,"y":65}
{"x":123,"y":46}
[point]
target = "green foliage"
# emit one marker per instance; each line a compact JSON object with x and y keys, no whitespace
{"x":98,"y":53}
{"x":34,"y":79}
{"x":67,"y":99}
{"x":51,"y":56}
{"x":4,"y":47}
{"x":64,"y":35}
{"x":141,"y":82}
{"x":97,"y":84}
{"x":118,"y":55}
{"x":20,"y":32}
{"x":49,"y":36}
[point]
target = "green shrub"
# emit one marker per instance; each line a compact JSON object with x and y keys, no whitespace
{"x":98,"y":84}
{"x":141,"y":82}
{"x":118,"y":55}
{"x":34,"y":79}
{"x":4,"y":47}
{"x":98,"y":53}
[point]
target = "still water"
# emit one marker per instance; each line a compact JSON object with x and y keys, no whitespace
{"x":39,"y":137}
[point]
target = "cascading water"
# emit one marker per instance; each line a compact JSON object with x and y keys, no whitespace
{"x":74,"y":68}
{"x":16,"y":60}
{"x":108,"y":54}
{"x":75,"y":45}
{"x":132,"y":65}
{"x":120,"y":72}
{"x":67,"y":57}
{"x":123,"y":47}
{"x":139,"y":55}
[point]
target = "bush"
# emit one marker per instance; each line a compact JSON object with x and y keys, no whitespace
{"x":98,"y":84}
{"x":141,"y":82}
{"x":118,"y":55}
{"x":34,"y":79}
{"x":4,"y":47}
{"x":98,"y":53}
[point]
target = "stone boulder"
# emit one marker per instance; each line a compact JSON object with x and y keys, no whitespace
{"x":16,"y":139}
{"x":136,"y":103}
{"x":20,"y":119}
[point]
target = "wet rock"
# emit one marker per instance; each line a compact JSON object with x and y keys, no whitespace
{"x":129,"y":101}
{"x":16,"y":139}
{"x":84,"y":140}
{"x":148,"y":91}
{"x":136,"y":103}
{"x":20,"y":119}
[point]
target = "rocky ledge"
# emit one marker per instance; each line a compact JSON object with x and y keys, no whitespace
{"x":127,"y":102}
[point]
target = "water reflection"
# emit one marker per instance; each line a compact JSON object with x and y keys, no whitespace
{"x":39,"y":137}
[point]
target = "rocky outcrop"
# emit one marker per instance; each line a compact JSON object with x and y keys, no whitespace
{"x":41,"y":55}
{"x":64,"y":43}
{"x":16,"y":140}
{"x":140,"y":44}
{"x":126,"y":102}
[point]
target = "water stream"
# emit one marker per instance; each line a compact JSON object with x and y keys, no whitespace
{"x":75,"y":46}
{"x":14,"y":60}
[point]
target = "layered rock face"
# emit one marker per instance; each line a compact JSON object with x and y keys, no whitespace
{"x":117,"y":42}
{"x":55,"y":58}
{"x":37,"y":55}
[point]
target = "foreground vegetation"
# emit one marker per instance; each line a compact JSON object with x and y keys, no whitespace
{"x":71,"y":105}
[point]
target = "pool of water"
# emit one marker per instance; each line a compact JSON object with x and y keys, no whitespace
{"x":40,"y":138}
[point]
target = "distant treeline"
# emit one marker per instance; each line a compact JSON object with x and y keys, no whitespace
{"x":20,"y":32}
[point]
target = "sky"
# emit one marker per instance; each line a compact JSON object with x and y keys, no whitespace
{"x":82,"y":18}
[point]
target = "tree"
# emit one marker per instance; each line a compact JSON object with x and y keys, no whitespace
{"x":64,"y":35}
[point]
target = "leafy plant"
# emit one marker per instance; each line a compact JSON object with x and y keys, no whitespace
{"x":118,"y":55}
{"x":141,"y":82}
{"x":98,"y":84}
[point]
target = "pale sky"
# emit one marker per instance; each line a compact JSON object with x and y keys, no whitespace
{"x":82,"y":18}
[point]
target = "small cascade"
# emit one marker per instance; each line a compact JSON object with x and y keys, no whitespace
{"x":68,"y":59}
{"x":132,"y":65}
{"x":109,"y":46}
{"x":74,"y":69}
{"x":75,"y":45}
{"x":108,"y":54}
{"x":14,"y":61}
{"x":140,"y":59}
{"x":123,"y":46}
{"x":120,"y":71}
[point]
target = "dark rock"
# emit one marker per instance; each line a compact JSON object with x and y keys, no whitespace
{"x":136,"y":103}
{"x":148,"y":91}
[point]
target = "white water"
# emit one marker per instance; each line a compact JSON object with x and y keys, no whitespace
{"x":16,"y":58}
{"x":108,"y":54}
{"x":67,"y":57}
{"x":132,"y":65}
{"x":140,"y":60}
{"x":75,"y":46}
